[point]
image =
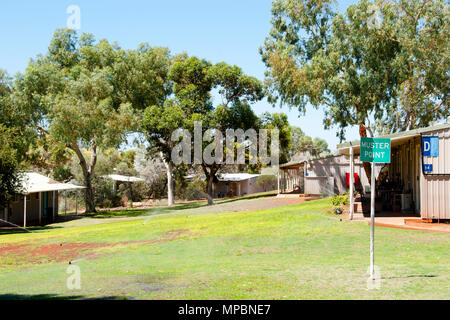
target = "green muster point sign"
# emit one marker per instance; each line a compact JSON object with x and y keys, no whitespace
{"x":376,"y":150}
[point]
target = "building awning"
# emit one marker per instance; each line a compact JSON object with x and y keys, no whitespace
{"x":292,"y":165}
{"x":33,"y":182}
{"x":120,"y":178}
{"x":227,"y":177}
{"x":236,"y":176}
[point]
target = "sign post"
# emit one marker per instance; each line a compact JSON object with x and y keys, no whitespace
{"x":374,"y":150}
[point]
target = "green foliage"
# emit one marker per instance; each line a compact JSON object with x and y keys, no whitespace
{"x":395,"y":73}
{"x":278,"y":121}
{"x":104,"y":191}
{"x":86,"y":94}
{"x":62,"y":173}
{"x":15,"y":139}
{"x":301,"y":144}
{"x":267,"y":182}
{"x":140,"y":191}
{"x":339,"y":201}
{"x":194,"y":190}
{"x":193,"y":81}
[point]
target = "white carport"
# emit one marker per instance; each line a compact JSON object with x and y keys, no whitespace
{"x":33,"y":182}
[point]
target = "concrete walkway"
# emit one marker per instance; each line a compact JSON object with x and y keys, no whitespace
{"x":408,"y":223}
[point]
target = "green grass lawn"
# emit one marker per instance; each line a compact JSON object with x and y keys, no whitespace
{"x":291,"y":252}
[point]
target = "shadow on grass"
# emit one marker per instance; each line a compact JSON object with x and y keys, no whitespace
{"x":144,"y":212}
{"x":249,"y":197}
{"x":18,"y":230}
{"x":50,"y":296}
{"x":412,"y":276}
{"x":158,"y":209}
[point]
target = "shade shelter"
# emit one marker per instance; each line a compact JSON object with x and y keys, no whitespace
{"x":291,"y":177}
{"x":38,"y":201}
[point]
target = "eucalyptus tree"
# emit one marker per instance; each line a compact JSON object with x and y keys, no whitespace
{"x":187,"y":99}
{"x":15,"y":138}
{"x":302,"y":144}
{"x":81,"y":94}
{"x":238,"y":91}
{"x":364,"y":66}
{"x":422,"y":30}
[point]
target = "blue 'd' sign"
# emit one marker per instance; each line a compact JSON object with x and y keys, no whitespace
{"x":427,"y":168}
{"x":430,"y":146}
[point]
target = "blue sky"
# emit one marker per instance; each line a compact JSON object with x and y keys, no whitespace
{"x":230,"y":31}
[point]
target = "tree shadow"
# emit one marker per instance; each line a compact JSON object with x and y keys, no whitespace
{"x":248,"y":197}
{"x":130,"y":213}
{"x":161,"y":209}
{"x":51,"y":296}
{"x":412,"y":276}
{"x":17,"y":230}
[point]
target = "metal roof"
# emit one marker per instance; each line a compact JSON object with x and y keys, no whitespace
{"x":120,"y":178}
{"x":33,"y":182}
{"x":395,"y":137}
{"x":236,"y":176}
{"x":228,"y":176}
{"x":292,"y":165}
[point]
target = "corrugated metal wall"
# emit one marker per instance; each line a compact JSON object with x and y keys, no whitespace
{"x":338,"y":167}
{"x":435,"y":189}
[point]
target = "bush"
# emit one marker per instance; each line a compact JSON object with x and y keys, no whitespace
{"x":103,"y":190}
{"x":267,"y":182}
{"x":338,"y":202}
{"x":141,"y":191}
{"x":195,"y":190}
{"x":107,"y":203}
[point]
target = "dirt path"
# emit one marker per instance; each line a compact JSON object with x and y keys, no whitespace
{"x":245,"y":205}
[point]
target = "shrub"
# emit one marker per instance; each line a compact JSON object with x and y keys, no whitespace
{"x":338,"y":202}
{"x":107,"y":203}
{"x":267,"y":182}
{"x":141,"y":191}
{"x":195,"y":190}
{"x":103,"y":190}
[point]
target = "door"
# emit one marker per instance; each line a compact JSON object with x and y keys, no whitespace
{"x":45,"y":204}
{"x":417,"y":178}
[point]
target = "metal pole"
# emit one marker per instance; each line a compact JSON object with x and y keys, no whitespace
{"x":54,"y":206}
{"x":278,"y":180}
{"x":65,"y":203}
{"x":25,"y":211}
{"x":352,"y":177}
{"x":6,"y":212}
{"x":372,"y":223}
{"x":40,"y":207}
{"x":76,"y":202}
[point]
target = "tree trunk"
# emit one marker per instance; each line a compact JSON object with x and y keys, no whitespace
{"x":210,"y":189}
{"x":169,"y":168}
{"x":366,"y":165}
{"x":89,"y":194}
{"x":88,"y":171}
{"x":170,"y":184}
{"x":209,"y":181}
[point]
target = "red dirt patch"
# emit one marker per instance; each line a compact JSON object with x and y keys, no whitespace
{"x":53,"y":252}
{"x":65,"y":252}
